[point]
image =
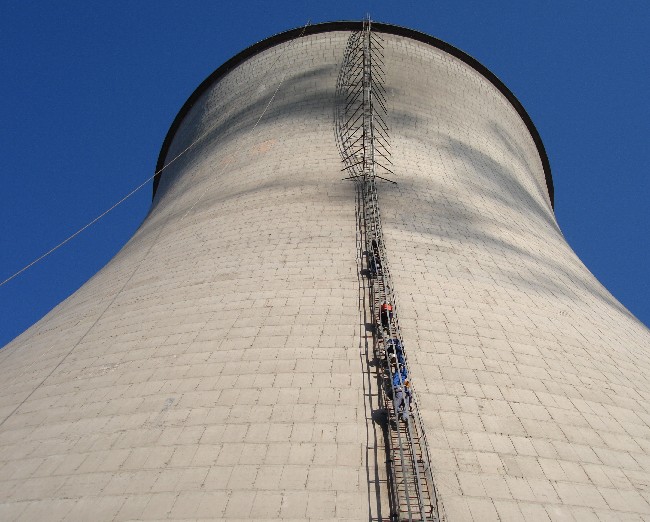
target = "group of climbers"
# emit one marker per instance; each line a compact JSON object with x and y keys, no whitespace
{"x":401,"y":384}
{"x":397,"y":362}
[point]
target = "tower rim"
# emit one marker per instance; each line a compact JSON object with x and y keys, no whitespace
{"x":351,"y":25}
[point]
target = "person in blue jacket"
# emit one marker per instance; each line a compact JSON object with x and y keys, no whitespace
{"x":395,"y":352}
{"x":402,"y":393}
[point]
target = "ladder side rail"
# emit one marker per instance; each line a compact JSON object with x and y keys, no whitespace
{"x":388,"y":294}
{"x":398,"y":335}
{"x":370,"y":202}
{"x":389,"y":403}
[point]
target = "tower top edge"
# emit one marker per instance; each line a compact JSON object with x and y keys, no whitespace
{"x":351,"y":25}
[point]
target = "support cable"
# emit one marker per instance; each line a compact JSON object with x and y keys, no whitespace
{"x":160,"y":171}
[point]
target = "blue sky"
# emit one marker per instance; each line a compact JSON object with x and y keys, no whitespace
{"x":88,"y":92}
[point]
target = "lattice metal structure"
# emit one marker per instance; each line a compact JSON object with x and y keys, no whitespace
{"x":363,"y":138}
{"x":362,"y":131}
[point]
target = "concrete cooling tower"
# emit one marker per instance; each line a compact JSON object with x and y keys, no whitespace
{"x":350,"y":300}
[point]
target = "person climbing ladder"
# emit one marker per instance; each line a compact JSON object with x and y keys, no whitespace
{"x":386,"y":314}
{"x":402,"y":393}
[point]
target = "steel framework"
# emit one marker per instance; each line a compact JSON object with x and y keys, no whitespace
{"x":363,"y":140}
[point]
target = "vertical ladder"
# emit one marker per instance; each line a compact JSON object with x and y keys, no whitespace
{"x":362,"y":137}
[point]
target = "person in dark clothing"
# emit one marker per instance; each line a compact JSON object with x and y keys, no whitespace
{"x":406,"y":401}
{"x":376,"y":258}
{"x":394,"y":352}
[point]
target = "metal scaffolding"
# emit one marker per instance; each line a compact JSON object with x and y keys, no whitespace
{"x":363,"y":140}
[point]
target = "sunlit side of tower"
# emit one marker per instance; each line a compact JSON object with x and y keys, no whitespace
{"x":214,"y":369}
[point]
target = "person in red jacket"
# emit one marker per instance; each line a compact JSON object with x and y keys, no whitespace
{"x":386,"y":314}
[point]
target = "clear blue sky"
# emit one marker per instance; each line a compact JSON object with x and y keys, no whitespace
{"x":89,"y":90}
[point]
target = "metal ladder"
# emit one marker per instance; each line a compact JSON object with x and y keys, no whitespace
{"x":362,"y":137}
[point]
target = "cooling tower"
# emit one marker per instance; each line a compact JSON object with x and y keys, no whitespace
{"x":228,"y":362}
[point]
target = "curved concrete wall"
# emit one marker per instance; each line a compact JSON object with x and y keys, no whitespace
{"x":533,"y":379}
{"x":212,"y":368}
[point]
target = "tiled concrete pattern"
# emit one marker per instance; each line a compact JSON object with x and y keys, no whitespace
{"x":532,"y":378}
{"x":211,"y":370}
